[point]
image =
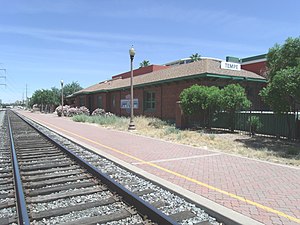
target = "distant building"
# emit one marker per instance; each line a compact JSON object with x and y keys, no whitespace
{"x":256,"y":64}
{"x":157,"y":88}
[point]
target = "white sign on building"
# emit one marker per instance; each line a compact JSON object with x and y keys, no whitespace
{"x":125,"y":103}
{"x":230,"y":65}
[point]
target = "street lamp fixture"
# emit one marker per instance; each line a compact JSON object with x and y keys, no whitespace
{"x":62,"y":97}
{"x":131,"y":126}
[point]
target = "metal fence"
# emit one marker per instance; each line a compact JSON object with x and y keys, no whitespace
{"x":285,"y":125}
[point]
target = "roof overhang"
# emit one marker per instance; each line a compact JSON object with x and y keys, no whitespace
{"x":190,"y":77}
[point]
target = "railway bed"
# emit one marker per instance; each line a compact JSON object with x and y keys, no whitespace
{"x":60,"y":189}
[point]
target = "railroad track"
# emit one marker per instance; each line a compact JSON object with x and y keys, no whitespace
{"x":60,"y":187}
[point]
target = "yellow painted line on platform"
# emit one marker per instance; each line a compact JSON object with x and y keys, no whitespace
{"x":258,"y":205}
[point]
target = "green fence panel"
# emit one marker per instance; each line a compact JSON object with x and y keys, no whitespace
{"x":272,"y":124}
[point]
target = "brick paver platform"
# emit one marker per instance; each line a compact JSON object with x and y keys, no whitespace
{"x":266,"y":192}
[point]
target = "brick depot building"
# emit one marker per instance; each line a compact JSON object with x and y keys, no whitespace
{"x":157,"y":88}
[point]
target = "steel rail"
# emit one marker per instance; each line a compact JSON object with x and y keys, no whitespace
{"x":130,"y":198}
{"x":21,"y":203}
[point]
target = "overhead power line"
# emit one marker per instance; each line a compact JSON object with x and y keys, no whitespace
{"x":3,"y":77}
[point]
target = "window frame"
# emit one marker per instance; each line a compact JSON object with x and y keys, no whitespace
{"x":100,"y":101}
{"x":149,"y":101}
{"x":82,"y":100}
{"x":113,"y":100}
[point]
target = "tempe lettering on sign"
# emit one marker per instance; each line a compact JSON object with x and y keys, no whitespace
{"x":230,"y":66}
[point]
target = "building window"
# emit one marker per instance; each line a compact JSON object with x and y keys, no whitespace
{"x":99,"y":102}
{"x":82,"y":100}
{"x":149,"y":101}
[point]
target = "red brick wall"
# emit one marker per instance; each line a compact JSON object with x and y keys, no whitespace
{"x":258,"y":68}
{"x":166,"y":96}
{"x":140,"y":71}
{"x":95,"y":101}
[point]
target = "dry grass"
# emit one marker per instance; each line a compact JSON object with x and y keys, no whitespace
{"x":269,"y":149}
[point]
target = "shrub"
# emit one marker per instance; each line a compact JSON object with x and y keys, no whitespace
{"x":80,"y":118}
{"x":84,"y":110}
{"x":108,"y":114}
{"x":171,"y":130}
{"x":157,"y":123}
{"x":65,"y":110}
{"x":73,"y":112}
{"x":212,"y":137}
{"x":254,"y":123}
{"x":98,"y":112}
{"x":101,"y":112}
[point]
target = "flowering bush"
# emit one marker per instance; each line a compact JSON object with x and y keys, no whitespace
{"x":84,"y":110}
{"x":101,"y":112}
{"x":65,"y":110}
{"x":108,"y":114}
{"x":71,"y":111}
{"x":98,"y":112}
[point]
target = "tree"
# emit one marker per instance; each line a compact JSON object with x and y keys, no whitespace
{"x":71,"y":88}
{"x":283,"y":93}
{"x":43,"y":98}
{"x":197,"y":99}
{"x":195,"y":57}
{"x":144,"y":63}
{"x":56,"y":96}
{"x":194,"y":99}
{"x":283,"y":56}
{"x":233,"y":99}
{"x":52,"y":98}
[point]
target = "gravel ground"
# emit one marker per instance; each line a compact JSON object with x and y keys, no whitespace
{"x":37,"y":207}
{"x":97,"y":211}
{"x":7,"y":212}
{"x":2,"y":113}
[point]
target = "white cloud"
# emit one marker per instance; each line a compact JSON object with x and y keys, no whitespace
{"x":115,"y":40}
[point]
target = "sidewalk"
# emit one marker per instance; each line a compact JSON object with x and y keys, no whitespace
{"x":266,"y":192}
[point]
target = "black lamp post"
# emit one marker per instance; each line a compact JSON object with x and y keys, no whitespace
{"x":131,"y":124}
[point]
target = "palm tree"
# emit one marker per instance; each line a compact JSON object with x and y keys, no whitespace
{"x":144,"y":63}
{"x":195,"y":57}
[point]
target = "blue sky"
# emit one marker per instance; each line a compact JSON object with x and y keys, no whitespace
{"x":44,"y":41}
